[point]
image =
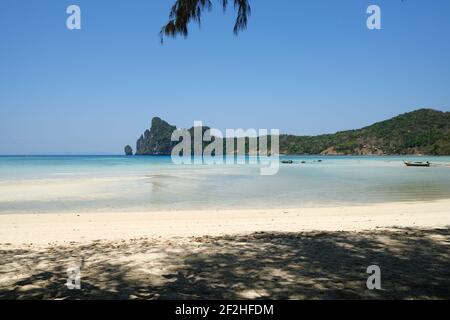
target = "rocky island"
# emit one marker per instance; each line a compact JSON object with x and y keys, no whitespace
{"x":156,"y":140}
{"x":128,"y":150}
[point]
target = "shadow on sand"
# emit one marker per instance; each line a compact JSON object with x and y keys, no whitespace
{"x":415,"y":264}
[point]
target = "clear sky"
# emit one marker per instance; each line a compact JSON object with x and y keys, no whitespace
{"x":304,"y":67}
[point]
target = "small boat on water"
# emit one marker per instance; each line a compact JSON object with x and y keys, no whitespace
{"x":287,"y":161}
{"x":417,"y":164}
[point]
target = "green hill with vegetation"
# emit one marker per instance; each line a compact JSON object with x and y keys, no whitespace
{"x":423,"y":131}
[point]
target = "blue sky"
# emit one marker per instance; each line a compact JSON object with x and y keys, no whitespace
{"x":304,"y":67}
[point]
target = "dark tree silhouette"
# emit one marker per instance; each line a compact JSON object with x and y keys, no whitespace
{"x":185,"y":11}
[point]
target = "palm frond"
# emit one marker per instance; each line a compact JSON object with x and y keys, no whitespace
{"x":185,"y":11}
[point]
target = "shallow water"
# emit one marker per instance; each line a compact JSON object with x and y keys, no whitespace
{"x":118,"y":183}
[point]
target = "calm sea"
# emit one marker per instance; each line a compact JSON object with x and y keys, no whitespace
{"x":35,"y":184}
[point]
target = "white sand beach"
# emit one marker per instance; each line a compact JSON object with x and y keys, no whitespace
{"x":304,"y":253}
{"x":18,"y":229}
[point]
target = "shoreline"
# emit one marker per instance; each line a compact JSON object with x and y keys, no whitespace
{"x":51,"y":228}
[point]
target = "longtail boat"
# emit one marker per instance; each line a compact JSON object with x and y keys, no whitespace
{"x":417,"y":164}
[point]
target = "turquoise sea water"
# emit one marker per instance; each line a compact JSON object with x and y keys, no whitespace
{"x":117,"y":183}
